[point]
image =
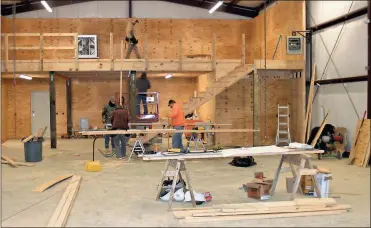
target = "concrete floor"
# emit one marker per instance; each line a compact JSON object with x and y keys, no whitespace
{"x":123,"y":194}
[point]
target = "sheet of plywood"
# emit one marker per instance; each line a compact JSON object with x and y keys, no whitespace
{"x":51,"y":183}
{"x":358,"y":153}
{"x":61,"y":213}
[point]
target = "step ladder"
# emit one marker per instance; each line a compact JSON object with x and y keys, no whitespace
{"x":283,"y":125}
{"x":138,"y":148}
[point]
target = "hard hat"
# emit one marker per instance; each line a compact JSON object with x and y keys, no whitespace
{"x":199,"y":197}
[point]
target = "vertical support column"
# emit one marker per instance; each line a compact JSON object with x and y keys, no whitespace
{"x":41,"y":51}
{"x":146,"y":52}
{"x":256,"y":108}
{"x":77,"y":52}
{"x":53,"y":115}
{"x":130,"y":8}
{"x":6,"y":51}
{"x":180,"y":54}
{"x":121,"y":56}
{"x":243,"y":54}
{"x":214,"y":52}
{"x":69,"y":107}
{"x":133,"y":96}
{"x":369,"y":62}
{"x":111,"y":49}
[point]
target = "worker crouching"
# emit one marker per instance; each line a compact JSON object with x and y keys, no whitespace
{"x":120,"y":121}
{"x":177,"y":121}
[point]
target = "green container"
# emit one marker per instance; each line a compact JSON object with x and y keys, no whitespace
{"x":33,"y":151}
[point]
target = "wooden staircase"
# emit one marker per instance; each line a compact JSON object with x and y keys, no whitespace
{"x":214,"y":89}
{"x":217,"y":87}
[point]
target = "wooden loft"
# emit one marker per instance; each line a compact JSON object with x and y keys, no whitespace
{"x":113,"y":64}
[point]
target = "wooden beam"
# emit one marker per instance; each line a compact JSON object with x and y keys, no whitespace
{"x":76,"y":51}
{"x":59,"y":48}
{"x":6,"y":51}
{"x":53,"y":115}
{"x":24,"y":48}
{"x":122,"y":57}
{"x":51,"y":183}
{"x":180,"y":54}
{"x":280,"y":64}
{"x":146,"y":52}
{"x":24,"y":34}
{"x":243,"y":57}
{"x":61,"y":213}
{"x":214,"y":52}
{"x":314,"y":142}
{"x":256,"y":108}
{"x":308,"y":116}
{"x":111,"y":49}
{"x":41,"y":51}
{"x":60,"y":34}
{"x":11,"y":161}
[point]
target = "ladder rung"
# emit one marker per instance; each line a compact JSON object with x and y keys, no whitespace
{"x":283,"y":107}
{"x":283,"y":140}
{"x":283,"y":132}
{"x":283,"y":123}
{"x":283,"y":115}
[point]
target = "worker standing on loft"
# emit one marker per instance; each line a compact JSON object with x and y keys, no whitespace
{"x":178,"y":121}
{"x":120,"y":121}
{"x":143,"y":85}
{"x":106,"y":119}
{"x":130,"y":38}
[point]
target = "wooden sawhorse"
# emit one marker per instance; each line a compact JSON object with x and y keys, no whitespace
{"x":179,"y":165}
{"x":305,"y":168}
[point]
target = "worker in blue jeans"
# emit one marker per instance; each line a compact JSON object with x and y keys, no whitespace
{"x":143,"y":85}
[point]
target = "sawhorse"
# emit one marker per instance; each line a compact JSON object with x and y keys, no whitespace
{"x":179,"y":165}
{"x":305,"y":167}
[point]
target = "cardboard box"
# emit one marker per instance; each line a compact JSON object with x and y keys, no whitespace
{"x":259,"y":190}
{"x":306,"y":183}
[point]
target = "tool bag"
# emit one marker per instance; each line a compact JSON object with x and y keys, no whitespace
{"x":243,"y":161}
{"x":132,"y":40}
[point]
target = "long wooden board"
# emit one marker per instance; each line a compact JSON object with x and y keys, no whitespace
{"x":314,"y":142}
{"x":53,"y":182}
{"x":358,"y":153}
{"x":19,"y":163}
{"x":6,"y":158}
{"x":61,"y":213}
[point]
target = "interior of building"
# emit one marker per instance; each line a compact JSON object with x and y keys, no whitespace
{"x":185,"y":113}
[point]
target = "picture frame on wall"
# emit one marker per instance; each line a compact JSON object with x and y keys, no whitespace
{"x":88,"y":46}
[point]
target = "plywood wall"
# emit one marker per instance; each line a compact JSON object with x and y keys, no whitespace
{"x":162,"y":35}
{"x":90,"y":96}
{"x":4,"y":119}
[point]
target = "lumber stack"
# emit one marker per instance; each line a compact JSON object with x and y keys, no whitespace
{"x":279,"y":209}
{"x":360,"y":151}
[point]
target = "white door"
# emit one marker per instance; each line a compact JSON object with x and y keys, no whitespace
{"x":40,"y":111}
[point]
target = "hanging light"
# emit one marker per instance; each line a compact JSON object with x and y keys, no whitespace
{"x":25,"y":77}
{"x":47,"y":7}
{"x":168,"y":76}
{"x":215,"y":7}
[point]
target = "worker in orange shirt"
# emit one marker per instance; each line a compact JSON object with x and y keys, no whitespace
{"x":178,"y":121}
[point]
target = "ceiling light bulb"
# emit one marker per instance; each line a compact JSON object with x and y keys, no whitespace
{"x":168,"y":76}
{"x":47,"y":7}
{"x":215,"y":7}
{"x":25,"y":77}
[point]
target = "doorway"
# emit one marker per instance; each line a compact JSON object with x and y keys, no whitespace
{"x":40,"y":111}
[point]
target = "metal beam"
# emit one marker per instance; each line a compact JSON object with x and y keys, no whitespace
{"x":69,"y":107}
{"x":369,"y":62}
{"x":362,"y":78}
{"x":225,"y":8}
{"x":130,"y":8}
{"x":339,"y":20}
{"x":28,"y":6}
{"x":53,"y":114}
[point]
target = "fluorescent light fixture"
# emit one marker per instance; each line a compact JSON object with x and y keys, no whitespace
{"x":168,"y":76}
{"x":215,"y":7}
{"x":25,"y":77}
{"x":47,"y":7}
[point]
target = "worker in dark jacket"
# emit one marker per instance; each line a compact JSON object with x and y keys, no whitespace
{"x":143,"y":85}
{"x":106,"y":119}
{"x":120,"y":121}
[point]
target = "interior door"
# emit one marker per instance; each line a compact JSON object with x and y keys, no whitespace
{"x":40,"y":111}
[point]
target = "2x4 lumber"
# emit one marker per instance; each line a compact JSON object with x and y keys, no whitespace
{"x":243,"y":54}
{"x":41,"y":52}
{"x":18,"y":163}
{"x":214,"y":52}
{"x":59,"y":34}
{"x":24,"y":48}
{"x":6,"y":51}
{"x":180,"y":54}
{"x":28,"y":138}
{"x":59,"y":48}
{"x":146,"y":52}
{"x":60,"y":215}
{"x":308,"y":116}
{"x":11,"y":161}
{"x":280,"y":64}
{"x":23,"y":34}
{"x":260,"y":216}
{"x":111,"y":48}
{"x":76,"y":38}
{"x":314,"y":142}
{"x":158,"y":131}
{"x":256,"y":107}
{"x":51,"y":183}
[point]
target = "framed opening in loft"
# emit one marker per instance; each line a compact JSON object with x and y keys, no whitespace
{"x":88,"y":46}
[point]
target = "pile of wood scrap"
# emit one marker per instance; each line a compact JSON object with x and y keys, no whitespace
{"x":279,"y":209}
{"x":13,"y":163}
{"x":39,"y":134}
{"x":360,"y":151}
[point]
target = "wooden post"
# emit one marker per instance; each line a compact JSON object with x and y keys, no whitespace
{"x":69,"y":107}
{"x":214,"y":52}
{"x":77,"y":51}
{"x":41,"y":51}
{"x":308,"y":116}
{"x":111,"y":48}
{"x":146,"y":52}
{"x":6,"y":51}
{"x":180,"y":54}
{"x":243,"y":49}
{"x":256,"y":108}
{"x":122,"y":56}
{"x":53,"y":115}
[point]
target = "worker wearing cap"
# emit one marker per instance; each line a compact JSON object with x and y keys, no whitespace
{"x":178,"y":121}
{"x":130,"y":38}
{"x":143,"y":85}
{"x":106,"y":119}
